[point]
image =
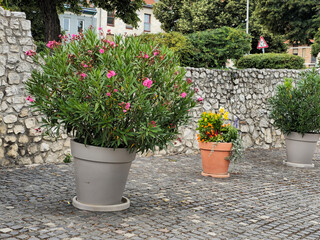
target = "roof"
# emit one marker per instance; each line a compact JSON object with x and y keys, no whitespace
{"x":150,"y":2}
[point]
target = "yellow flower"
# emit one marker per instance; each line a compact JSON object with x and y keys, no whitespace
{"x":215,"y":117}
{"x":219,"y":115}
{"x":221,"y":110}
{"x":204,"y":112}
{"x":205,"y":119}
{"x":225,"y":116}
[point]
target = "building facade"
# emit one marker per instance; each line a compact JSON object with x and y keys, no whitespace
{"x":73,"y":24}
{"x":100,"y":18}
{"x":303,"y":51}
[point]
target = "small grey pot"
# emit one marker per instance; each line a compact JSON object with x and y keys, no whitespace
{"x":300,"y":149}
{"x":101,"y":175}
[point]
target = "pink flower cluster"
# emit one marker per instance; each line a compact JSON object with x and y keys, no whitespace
{"x":52,"y":44}
{"x":183,"y":95}
{"x":31,"y":53}
{"x":126,"y":106}
{"x":147,"y":83}
{"x":200,"y":99}
{"x":30,"y":99}
{"x":101,"y":50}
{"x":153,"y":123}
{"x":83,"y":75}
{"x":111,"y":74}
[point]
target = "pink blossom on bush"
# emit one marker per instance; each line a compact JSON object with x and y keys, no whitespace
{"x":183,"y":95}
{"x":101,"y":50}
{"x":30,"y":99}
{"x":85,"y":65}
{"x":124,"y":111}
{"x":147,"y":83}
{"x":100,"y":28}
{"x":83,"y":75}
{"x":52,"y":44}
{"x":115,"y":90}
{"x":109,"y":30}
{"x":200,"y":99}
{"x":155,"y":53}
{"x":112,"y":44}
{"x":127,"y":106}
{"x":111,"y":74}
{"x":146,"y":56}
{"x":31,"y":53}
{"x":108,"y":94}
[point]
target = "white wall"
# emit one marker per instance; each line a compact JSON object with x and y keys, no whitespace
{"x":120,"y":27}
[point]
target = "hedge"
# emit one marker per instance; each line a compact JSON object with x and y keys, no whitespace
{"x":271,"y":60}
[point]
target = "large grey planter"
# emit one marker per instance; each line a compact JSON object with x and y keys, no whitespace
{"x":300,"y":149}
{"x":101,"y":175}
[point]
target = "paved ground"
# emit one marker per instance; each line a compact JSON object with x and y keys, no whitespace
{"x":169,"y":200}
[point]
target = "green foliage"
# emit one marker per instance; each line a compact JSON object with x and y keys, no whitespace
{"x":175,"y":41}
{"x":271,"y":60}
{"x":212,"y":48}
{"x":121,"y":94}
{"x":297,"y":109}
{"x":41,"y":46}
{"x":67,"y":158}
{"x":297,"y":20}
{"x":316,"y":44}
{"x":168,"y":12}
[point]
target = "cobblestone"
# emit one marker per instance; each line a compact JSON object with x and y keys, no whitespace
{"x":263,"y":199}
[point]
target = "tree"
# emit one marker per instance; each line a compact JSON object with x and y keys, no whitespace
{"x":191,"y":16}
{"x":297,"y":20}
{"x":316,"y":44}
{"x":168,"y":13}
{"x":48,"y":11}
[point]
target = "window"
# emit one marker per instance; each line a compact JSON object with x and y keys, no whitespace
{"x":80,"y":26}
{"x":313,"y":59}
{"x":147,"y":22}
{"x":110,"y":18}
{"x":295,"y":51}
{"x":66,"y":24}
{"x":303,"y":52}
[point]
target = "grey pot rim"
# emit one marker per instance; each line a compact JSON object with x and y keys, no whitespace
{"x":84,"y":152}
{"x":307,"y":137}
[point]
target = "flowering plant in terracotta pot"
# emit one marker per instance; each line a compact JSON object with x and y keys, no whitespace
{"x":219,"y":143}
{"x":121,"y":95}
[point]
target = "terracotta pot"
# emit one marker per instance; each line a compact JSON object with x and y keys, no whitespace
{"x":214,"y":159}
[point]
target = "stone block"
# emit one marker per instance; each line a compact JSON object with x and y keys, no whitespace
{"x":18,"y":129}
{"x":26,"y":25}
{"x":13,"y":78}
{"x":30,"y":122}
{"x":10,"y":118}
{"x":13,"y":151}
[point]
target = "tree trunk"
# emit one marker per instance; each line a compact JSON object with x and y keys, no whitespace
{"x":50,"y":19}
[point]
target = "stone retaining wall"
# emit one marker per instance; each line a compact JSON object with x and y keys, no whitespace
{"x":243,"y":93}
{"x":20,"y":143}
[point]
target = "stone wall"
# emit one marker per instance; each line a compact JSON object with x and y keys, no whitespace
{"x":20,"y":142}
{"x":244,"y":93}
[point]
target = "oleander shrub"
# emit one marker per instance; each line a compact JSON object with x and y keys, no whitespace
{"x":271,"y":60}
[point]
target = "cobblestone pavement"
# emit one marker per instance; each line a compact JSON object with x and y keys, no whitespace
{"x":263,"y":199}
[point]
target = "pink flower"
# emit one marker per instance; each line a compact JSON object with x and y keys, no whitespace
{"x":115,"y":90}
{"x":109,"y":30}
{"x":73,"y":35}
{"x":83,"y":75}
{"x":112,"y":44}
{"x":183,"y":95}
{"x":108,"y":94}
{"x":155,"y":53}
{"x":127,"y":106}
{"x":100,"y":28}
{"x":124,"y":111}
{"x":85,"y":65}
{"x":50,"y":44}
{"x":31,"y":53}
{"x":101,"y":50}
{"x":108,"y":41}
{"x":146,"y":56}
{"x":111,"y":74}
{"x":30,"y":99}
{"x":200,"y":99}
{"x":147,"y":83}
